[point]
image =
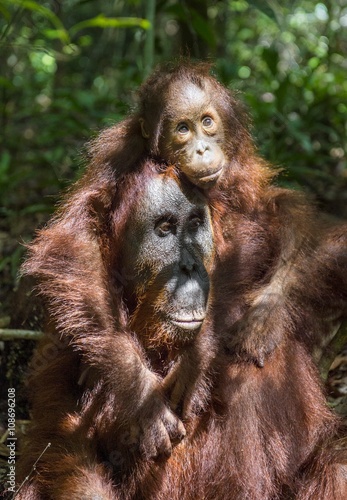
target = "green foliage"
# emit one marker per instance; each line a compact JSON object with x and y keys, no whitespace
{"x":50,"y":94}
{"x":69,"y":68}
{"x":291,"y":67}
{"x":100,"y":21}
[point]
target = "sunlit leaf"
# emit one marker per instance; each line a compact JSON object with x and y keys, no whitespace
{"x":55,"y":34}
{"x":102,"y":21}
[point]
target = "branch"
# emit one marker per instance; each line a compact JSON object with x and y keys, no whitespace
{"x":9,"y":334}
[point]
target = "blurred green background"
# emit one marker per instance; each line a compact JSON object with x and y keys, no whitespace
{"x":69,"y":68}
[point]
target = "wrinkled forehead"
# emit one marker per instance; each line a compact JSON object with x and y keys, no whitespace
{"x":162,"y":194}
{"x":186,"y":97}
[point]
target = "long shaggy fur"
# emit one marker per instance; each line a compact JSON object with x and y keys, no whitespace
{"x":252,"y":433}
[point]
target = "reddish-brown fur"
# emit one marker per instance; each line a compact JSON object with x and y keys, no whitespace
{"x":265,"y":433}
{"x":296,"y":246}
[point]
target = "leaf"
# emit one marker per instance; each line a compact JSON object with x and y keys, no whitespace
{"x":101,"y":21}
{"x":203,"y":28}
{"x":4,"y":12}
{"x":309,"y":172}
{"x":263,"y":7}
{"x":5,"y":82}
{"x":271,"y":57}
{"x":54,"y":34}
{"x":4,"y":165}
{"x":47,"y":13}
{"x":178,"y":11}
{"x":200,"y":25}
{"x":282,"y":93}
{"x":36,"y":208}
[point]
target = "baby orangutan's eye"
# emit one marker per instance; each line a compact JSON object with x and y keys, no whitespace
{"x":182,"y":128}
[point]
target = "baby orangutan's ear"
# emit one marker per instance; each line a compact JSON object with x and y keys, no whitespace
{"x":144,"y":132}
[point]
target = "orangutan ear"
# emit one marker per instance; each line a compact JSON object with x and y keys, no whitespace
{"x":144,"y":132}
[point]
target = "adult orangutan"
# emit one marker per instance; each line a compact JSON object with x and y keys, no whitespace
{"x":135,"y":330}
{"x":134,"y":299}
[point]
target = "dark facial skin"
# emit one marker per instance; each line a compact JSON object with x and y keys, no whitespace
{"x":167,"y":252}
{"x":193,"y":135}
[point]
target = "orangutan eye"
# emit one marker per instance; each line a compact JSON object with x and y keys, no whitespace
{"x":207,"y":121}
{"x":165,"y":226}
{"x":182,"y":128}
{"x":195,"y":221}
